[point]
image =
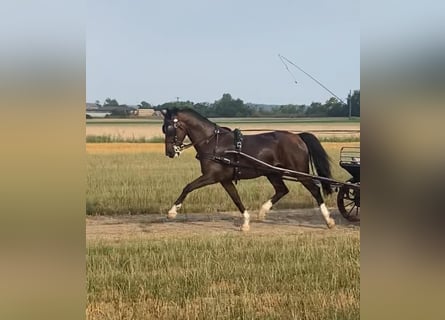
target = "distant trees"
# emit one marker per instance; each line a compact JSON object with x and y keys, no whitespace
{"x":202,"y":107}
{"x":297,"y":110}
{"x":177,"y":104}
{"x":116,"y":109}
{"x":331,"y":108}
{"x":224,"y":107}
{"x":355,"y":103}
{"x":111,"y":103}
{"x":335,"y":108}
{"x":144,"y":105}
{"x":228,"y":106}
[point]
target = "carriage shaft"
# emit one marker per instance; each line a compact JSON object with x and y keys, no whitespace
{"x":292,"y":173}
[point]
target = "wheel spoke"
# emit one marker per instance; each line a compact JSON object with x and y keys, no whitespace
{"x":349,"y":203}
{"x":349,"y":213}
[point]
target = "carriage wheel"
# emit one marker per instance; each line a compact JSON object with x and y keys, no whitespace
{"x":348,"y":202}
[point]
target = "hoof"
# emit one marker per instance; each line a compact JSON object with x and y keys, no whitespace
{"x":331,"y":223}
{"x":171,"y":215}
{"x":264,"y":210}
{"x":245,"y":227}
{"x":173,"y":211}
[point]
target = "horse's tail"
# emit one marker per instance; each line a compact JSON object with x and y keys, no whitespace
{"x":319,"y":158}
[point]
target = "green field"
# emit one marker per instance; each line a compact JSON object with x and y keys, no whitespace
{"x":310,"y":276}
{"x":141,"y":181}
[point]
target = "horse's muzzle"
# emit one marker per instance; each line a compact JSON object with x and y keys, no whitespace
{"x":176,"y":152}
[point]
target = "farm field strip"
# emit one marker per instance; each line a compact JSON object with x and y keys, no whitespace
{"x":138,"y":129}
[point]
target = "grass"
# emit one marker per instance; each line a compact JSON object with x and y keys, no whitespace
{"x":305,"y":276}
{"x":145,"y":181}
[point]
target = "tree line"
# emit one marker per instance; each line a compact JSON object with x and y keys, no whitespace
{"x":227,"y":106}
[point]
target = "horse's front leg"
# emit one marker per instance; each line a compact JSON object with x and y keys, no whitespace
{"x":202,"y":181}
{"x":233,"y":193}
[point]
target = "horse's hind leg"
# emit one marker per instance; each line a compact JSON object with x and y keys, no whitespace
{"x":316,"y":193}
{"x":233,"y":193}
{"x":195,"y":184}
{"x":280,"y":191}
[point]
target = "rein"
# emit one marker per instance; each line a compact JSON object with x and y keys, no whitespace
{"x":183,"y":146}
{"x":215,"y":133}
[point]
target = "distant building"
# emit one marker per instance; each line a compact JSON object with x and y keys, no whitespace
{"x":95,"y":111}
{"x":92,"y":106}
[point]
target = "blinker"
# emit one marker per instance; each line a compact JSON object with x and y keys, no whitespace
{"x":169,"y":129}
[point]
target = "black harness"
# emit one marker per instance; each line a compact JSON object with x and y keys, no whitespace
{"x":238,"y":144}
{"x":169,"y":129}
{"x":238,"y":141}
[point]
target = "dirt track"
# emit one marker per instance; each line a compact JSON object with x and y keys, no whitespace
{"x":154,"y":225}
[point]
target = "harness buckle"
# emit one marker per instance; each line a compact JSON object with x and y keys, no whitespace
{"x":238,"y":136}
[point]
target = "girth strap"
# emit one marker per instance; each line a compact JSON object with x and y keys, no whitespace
{"x":238,"y":141}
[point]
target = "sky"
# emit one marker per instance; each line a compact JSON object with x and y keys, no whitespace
{"x":197,"y":50}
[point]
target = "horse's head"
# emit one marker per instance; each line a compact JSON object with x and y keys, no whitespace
{"x":174,"y":132}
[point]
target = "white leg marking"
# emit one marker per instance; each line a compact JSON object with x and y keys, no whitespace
{"x":265,"y":208}
{"x":173,"y":211}
{"x":245,"y":226}
{"x":325,"y":212}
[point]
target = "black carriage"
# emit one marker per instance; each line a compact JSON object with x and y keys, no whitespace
{"x":348,"y":197}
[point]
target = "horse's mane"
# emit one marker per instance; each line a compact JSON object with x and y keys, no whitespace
{"x":174,"y":111}
{"x":190,"y":112}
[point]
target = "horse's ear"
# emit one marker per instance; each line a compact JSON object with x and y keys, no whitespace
{"x":164,"y":112}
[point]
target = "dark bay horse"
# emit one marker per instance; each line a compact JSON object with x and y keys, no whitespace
{"x":278,"y":148}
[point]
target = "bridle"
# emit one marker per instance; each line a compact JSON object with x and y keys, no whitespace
{"x":169,"y":129}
